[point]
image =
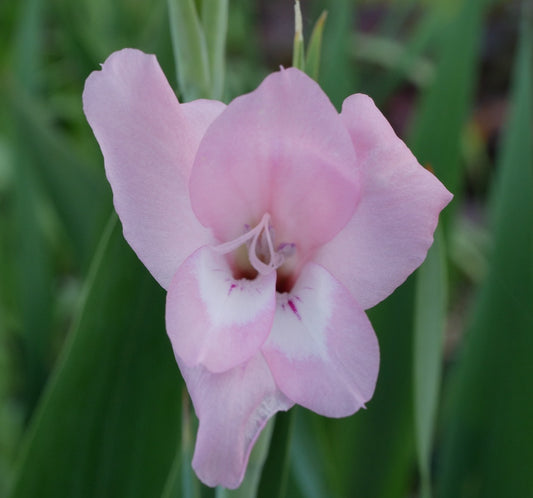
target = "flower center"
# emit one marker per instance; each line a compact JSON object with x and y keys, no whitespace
{"x":260,"y":242}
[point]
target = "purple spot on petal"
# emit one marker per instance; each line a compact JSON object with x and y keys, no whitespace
{"x":232,"y":286}
{"x":293,"y":308}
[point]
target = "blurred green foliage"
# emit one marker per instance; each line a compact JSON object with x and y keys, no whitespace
{"x":90,"y":397}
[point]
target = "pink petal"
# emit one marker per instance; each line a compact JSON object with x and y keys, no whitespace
{"x":281,"y":149}
{"x":233,"y":407}
{"x":149,"y":142}
{"x":322,"y":350}
{"x":214,"y":320}
{"x":392,"y":228}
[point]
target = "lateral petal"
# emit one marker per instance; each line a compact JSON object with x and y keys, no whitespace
{"x":283,"y":150}
{"x":392,"y":228}
{"x":233,"y":407}
{"x":214,"y":320}
{"x":322,"y":350}
{"x":149,"y":142}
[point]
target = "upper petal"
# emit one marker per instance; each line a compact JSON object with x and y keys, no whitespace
{"x":281,"y":149}
{"x":233,"y":407}
{"x":392,"y":228}
{"x":322,"y":350}
{"x":149,"y":141}
{"x":213,"y":319}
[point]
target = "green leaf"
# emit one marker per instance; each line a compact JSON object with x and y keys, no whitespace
{"x":275,"y":469}
{"x":377,"y":451}
{"x":108,"y":422}
{"x":215,"y":27}
{"x":32,"y":274}
{"x":308,"y":460}
{"x":405,"y":62}
{"x":173,"y":486}
{"x":182,"y":481}
{"x":27,"y":245}
{"x":79,"y":195}
{"x":338,"y":73}
{"x":248,"y":488}
{"x":314,"y":48}
{"x":444,"y":107}
{"x":429,"y":325}
{"x":190,"y":50}
{"x":190,"y":486}
{"x":402,"y":62}
{"x":370,"y":453}
{"x":488,"y":436}
{"x":298,"y":51}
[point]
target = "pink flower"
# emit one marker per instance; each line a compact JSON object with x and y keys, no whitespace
{"x":273,"y":223}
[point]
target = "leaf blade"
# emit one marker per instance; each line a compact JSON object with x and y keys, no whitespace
{"x":429,"y":325}
{"x":488,"y":451}
{"x":215,"y":27}
{"x":190,"y":50}
{"x":122,"y":364}
{"x":314,"y":48}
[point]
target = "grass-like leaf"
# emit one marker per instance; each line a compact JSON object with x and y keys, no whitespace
{"x":443,"y":109}
{"x":215,"y":27}
{"x":190,"y":50}
{"x":298,"y":48}
{"x":108,"y":423}
{"x":314,"y":48}
{"x":488,"y":436}
{"x":275,"y":469}
{"x":430,"y":317}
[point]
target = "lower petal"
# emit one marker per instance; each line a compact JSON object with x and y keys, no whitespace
{"x":232,"y":407}
{"x":213,"y":319}
{"x":322,"y":350}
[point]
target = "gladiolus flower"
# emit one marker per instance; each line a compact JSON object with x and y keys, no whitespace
{"x":273,"y":223}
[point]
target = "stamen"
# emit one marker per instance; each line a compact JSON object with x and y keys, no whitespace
{"x":230,"y":246}
{"x":261,"y":267}
{"x":269,"y":242}
{"x":275,"y":259}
